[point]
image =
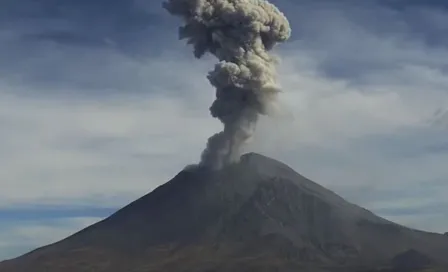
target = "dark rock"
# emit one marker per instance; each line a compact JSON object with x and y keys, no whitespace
{"x":253,"y":216}
{"x":411,"y":260}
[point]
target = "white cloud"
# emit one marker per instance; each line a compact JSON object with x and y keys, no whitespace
{"x":427,"y":221}
{"x":346,"y":88}
{"x":69,"y":150}
{"x":17,"y":239}
{"x":64,"y":149}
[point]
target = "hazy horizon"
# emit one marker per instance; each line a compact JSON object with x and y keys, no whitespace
{"x":101,"y":103}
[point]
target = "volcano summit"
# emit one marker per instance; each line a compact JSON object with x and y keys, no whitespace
{"x":256,"y":215}
{"x":240,"y":34}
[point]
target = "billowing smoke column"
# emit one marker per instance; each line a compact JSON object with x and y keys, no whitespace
{"x":239,"y":33}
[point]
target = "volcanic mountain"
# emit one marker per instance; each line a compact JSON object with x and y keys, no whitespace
{"x":257,"y":215}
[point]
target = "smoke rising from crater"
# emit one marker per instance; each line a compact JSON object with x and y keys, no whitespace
{"x":240,"y":34}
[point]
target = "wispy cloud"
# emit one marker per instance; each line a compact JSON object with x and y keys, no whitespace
{"x":97,"y":112}
{"x":55,"y":148}
{"x":17,"y":239}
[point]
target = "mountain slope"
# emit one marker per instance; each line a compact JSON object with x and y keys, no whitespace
{"x":258,"y":215}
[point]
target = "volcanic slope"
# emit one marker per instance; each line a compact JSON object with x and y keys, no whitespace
{"x":257,"y":215}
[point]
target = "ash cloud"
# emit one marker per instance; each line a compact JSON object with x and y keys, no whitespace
{"x":240,"y":34}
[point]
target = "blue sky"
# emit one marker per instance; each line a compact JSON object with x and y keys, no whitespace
{"x":100,"y":103}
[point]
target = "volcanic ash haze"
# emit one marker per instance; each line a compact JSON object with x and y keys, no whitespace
{"x":240,"y":34}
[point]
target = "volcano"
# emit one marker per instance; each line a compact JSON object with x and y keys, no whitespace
{"x":256,"y":215}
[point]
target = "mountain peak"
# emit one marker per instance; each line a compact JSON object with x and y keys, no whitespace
{"x":257,"y":213}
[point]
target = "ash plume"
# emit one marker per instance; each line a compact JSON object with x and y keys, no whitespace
{"x":240,"y":34}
